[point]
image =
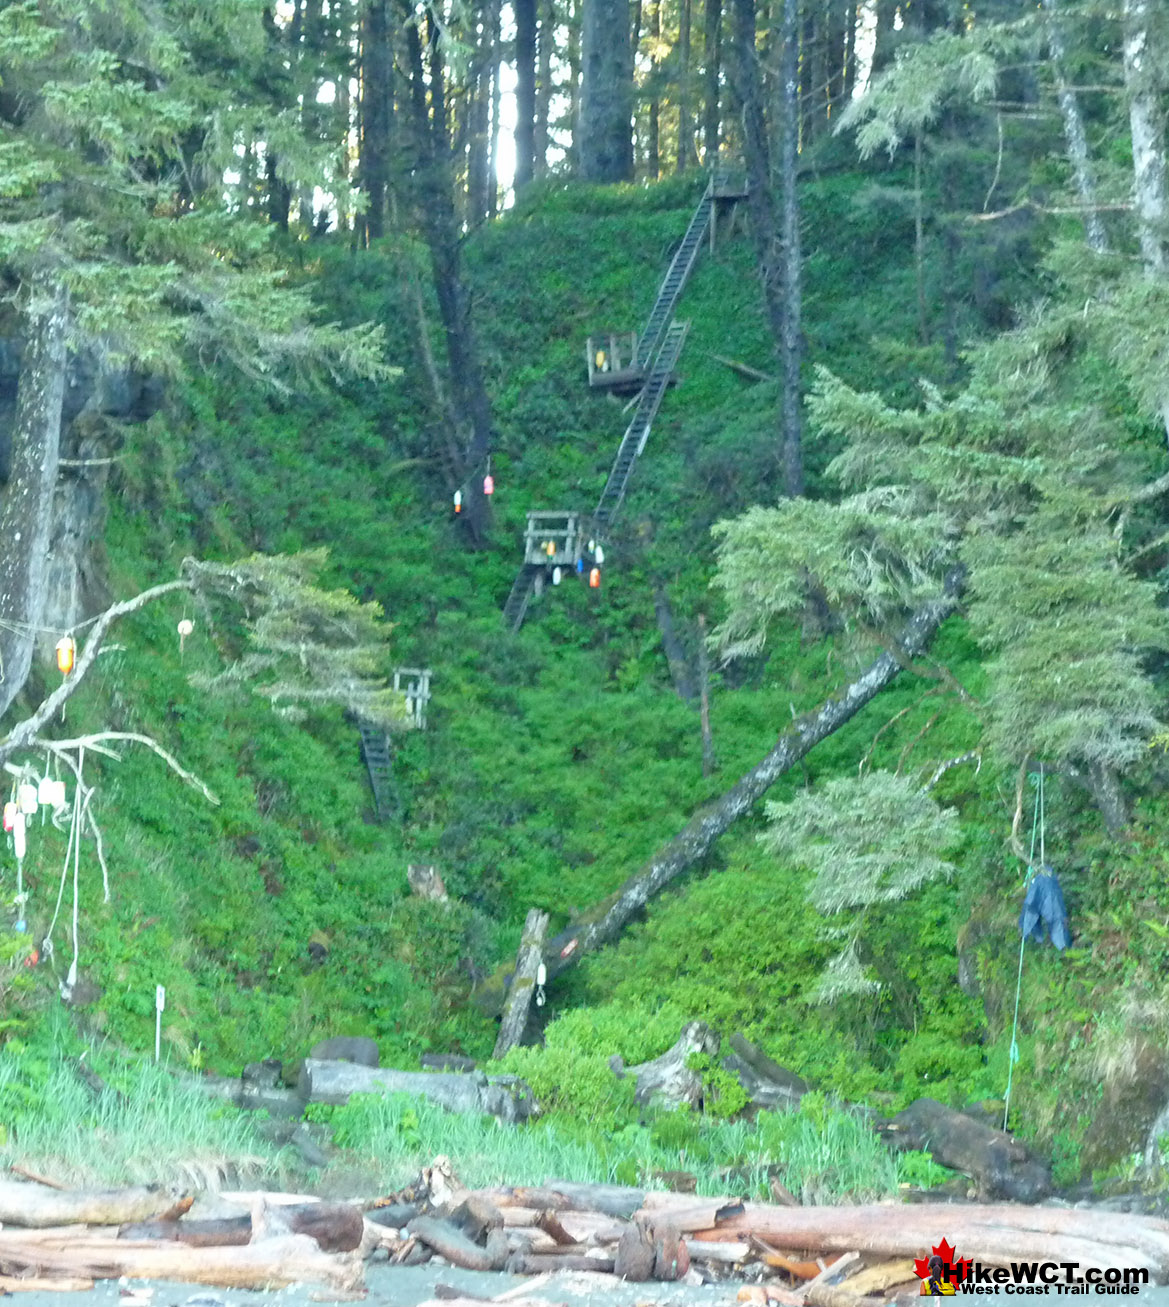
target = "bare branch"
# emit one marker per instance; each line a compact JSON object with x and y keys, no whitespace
{"x":95,"y":742}
{"x":944,"y":767}
{"x":24,"y":733}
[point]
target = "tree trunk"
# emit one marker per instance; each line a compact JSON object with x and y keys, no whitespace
{"x":607,"y":919}
{"x":685,"y":128}
{"x":792,"y":457}
{"x":523,"y":983}
{"x":35,"y":1207}
{"x":26,"y":506}
{"x":479,"y":135}
{"x":493,"y":154}
{"x":606,"y":109}
{"x":441,"y":229}
{"x":653,"y":162}
{"x":377,"y":98}
{"x":1073,"y":130}
{"x":711,"y":122}
{"x":923,"y":323}
{"x":1142,"y":79}
{"x":757,"y":153}
{"x":672,"y":647}
{"x":525,"y":61}
{"x":709,"y":762}
{"x":574,"y":80}
{"x":547,"y":44}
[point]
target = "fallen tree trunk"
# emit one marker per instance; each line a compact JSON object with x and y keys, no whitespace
{"x":35,"y":1206}
{"x":335,"y":1227}
{"x":270,"y":1264}
{"x":606,"y":920}
{"x":523,"y":985}
{"x":997,"y":1236}
{"x":506,"y":1097}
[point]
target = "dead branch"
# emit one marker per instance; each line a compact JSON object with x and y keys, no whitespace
{"x":97,"y":741}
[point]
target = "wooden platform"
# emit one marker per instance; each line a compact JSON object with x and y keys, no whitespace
{"x":554,"y":539}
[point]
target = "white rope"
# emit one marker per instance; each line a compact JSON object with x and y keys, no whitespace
{"x":1013,"y":1055}
{"x":71,"y":979}
{"x":47,"y":942}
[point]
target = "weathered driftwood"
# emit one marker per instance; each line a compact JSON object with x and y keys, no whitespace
{"x":450,"y":1242}
{"x":669,"y":1078}
{"x":566,"y":1196}
{"x":35,"y":1206}
{"x":767,"y":1084}
{"x":271,"y":1263}
{"x":702,"y":1250}
{"x":537,"y":1263}
{"x":995,"y":1236}
{"x":1001,"y":1164}
{"x":43,"y":1284}
{"x":506,"y":1097}
{"x":336,"y":1228}
{"x":518,"y":1003}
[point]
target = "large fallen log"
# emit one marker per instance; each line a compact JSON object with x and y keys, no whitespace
{"x":335,"y":1227}
{"x":270,"y":1264}
{"x":567,"y":1196}
{"x":506,"y":1097}
{"x":34,"y":1206}
{"x":997,"y":1236}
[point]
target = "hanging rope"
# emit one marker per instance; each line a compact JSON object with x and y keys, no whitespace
{"x":1037,"y":827}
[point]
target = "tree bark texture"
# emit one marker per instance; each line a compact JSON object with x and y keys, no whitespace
{"x":607,"y":919}
{"x":757,"y":153}
{"x":441,"y":230}
{"x":1142,"y":77}
{"x":653,"y":161}
{"x":711,"y":55}
{"x":685,"y":144}
{"x":324,"y":1081}
{"x":546,"y":49}
{"x":1073,"y":129}
{"x":523,"y":983}
{"x":606,"y":109}
{"x":792,"y":456}
{"x":26,"y":507}
{"x":709,"y":761}
{"x":672,"y":647}
{"x":525,"y":60}
{"x":377,"y":99}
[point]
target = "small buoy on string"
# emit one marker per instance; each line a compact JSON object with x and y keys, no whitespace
{"x":580,"y":566}
{"x":599,"y":555}
{"x":489,"y":484}
{"x":592,"y":546}
{"x":10,"y":811}
{"x":556,"y":575}
{"x":19,"y":844}
{"x":26,"y":798}
{"x":185,"y":627}
{"x":541,"y":977}
{"x":33,"y":958}
{"x":50,"y":792}
{"x":550,"y":548}
{"x":66,"y":652}
{"x":458,"y":501}
{"x":20,"y":926}
{"x":595,"y":579}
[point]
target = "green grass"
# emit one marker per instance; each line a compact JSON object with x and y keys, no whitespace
{"x":148,"y":1128}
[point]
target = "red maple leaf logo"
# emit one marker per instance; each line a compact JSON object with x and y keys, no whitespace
{"x":954,"y":1271}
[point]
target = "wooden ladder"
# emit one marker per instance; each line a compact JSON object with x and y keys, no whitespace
{"x":637,"y":432}
{"x":522,"y":590}
{"x":379,"y":762}
{"x":674,"y":282}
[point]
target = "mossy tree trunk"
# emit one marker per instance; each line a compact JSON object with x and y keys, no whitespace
{"x":26,"y":506}
{"x":605,"y":921}
{"x":606,"y":107}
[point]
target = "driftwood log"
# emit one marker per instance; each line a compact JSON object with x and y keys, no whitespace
{"x":668,"y":1078}
{"x":271,"y":1263}
{"x":33,"y":1205}
{"x":335,"y":1227}
{"x":1000,"y":1164}
{"x":506,"y":1097}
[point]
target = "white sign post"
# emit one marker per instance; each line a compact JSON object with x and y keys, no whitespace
{"x":159,"y":1005}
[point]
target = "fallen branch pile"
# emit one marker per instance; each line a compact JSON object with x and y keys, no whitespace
{"x":797,"y":1256}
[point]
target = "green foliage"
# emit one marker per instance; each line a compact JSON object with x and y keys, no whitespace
{"x":867,"y":840}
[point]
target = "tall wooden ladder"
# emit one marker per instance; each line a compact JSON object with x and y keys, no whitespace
{"x":375,"y":750}
{"x":637,"y":432}
{"x":674,"y":282}
{"x":523,"y":589}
